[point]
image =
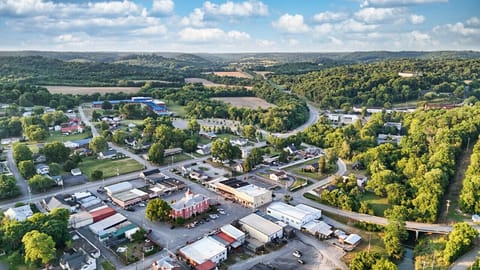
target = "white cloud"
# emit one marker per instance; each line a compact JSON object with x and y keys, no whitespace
{"x":265,"y":43}
{"x":474,"y":21}
{"x":195,"y":18}
{"x":329,"y":16}
{"x":291,"y":24}
{"x":163,"y":6}
{"x":293,"y":42}
{"x":242,"y":9}
{"x":352,"y":25}
{"x":323,"y":29}
{"x":113,"y":8}
{"x":375,"y":15}
{"x":25,"y":8}
{"x":211,"y":34}
{"x":417,"y":19}
{"x":390,"y":3}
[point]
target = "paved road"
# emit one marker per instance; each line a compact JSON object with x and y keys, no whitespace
{"x":467,"y":260}
{"x":119,"y":149}
{"x":21,"y":182}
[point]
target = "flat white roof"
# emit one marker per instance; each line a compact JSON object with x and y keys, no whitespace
{"x":288,"y":210}
{"x":309,"y":209}
{"x":252,"y":190}
{"x":129,"y":195}
{"x":261,"y":224}
{"x":232,"y":231}
{"x":108,"y":222}
{"x":203,"y":250}
{"x":353,"y":239}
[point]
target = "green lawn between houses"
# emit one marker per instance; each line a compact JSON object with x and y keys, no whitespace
{"x":58,"y":137}
{"x":109,"y":167}
{"x":378,"y":204}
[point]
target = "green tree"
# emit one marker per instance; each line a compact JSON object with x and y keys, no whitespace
{"x":36,"y":133}
{"x":247,"y":166}
{"x":38,"y":247}
{"x":322,"y":165}
{"x":459,"y":241}
{"x":56,"y":152}
{"x":384,"y":264}
{"x":283,"y":157}
{"x":98,"y":144}
{"x":27,"y":168}
{"x":8,"y":187}
{"x":189,"y":145}
{"x":364,"y":260}
{"x":193,"y":126}
{"x":55,"y":169}
{"x":106,"y":105}
{"x":97,"y":174}
{"x":22,"y":152}
{"x":249,"y":132}
{"x":158,"y":210}
{"x":394,"y":233}
{"x":156,"y":153}
{"x":40,"y":183}
{"x":224,"y":150}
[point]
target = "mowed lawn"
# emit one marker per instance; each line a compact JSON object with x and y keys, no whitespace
{"x":58,"y":137}
{"x":378,"y":204}
{"x":177,"y":109}
{"x":109,"y":167}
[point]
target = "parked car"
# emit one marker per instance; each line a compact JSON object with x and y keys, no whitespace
{"x":301,"y":261}
{"x":297,"y":253}
{"x":141,"y":204}
{"x":130,"y":209}
{"x":221,"y":211}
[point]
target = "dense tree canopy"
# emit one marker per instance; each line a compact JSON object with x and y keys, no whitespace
{"x":38,"y":247}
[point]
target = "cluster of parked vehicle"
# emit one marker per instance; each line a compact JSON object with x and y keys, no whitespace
{"x":298,"y":254}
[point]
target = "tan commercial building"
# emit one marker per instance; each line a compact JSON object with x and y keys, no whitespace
{"x":242,"y":192}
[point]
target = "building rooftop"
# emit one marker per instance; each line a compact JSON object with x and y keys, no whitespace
{"x":261,"y":224}
{"x":202,"y":250}
{"x":235,"y":183}
{"x":232,"y":231}
{"x":123,"y":186}
{"x":252,"y":190}
{"x":129,"y":194}
{"x":188,"y":200}
{"x":289,"y":210}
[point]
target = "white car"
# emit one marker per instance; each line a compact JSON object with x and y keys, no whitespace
{"x":213,"y":216}
{"x":297,"y":254}
{"x":221,"y":211}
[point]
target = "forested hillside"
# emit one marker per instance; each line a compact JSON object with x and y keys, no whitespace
{"x":415,"y":175}
{"x":379,"y":84}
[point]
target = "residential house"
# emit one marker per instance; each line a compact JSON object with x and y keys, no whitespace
{"x":312,"y":167}
{"x":239,"y":141}
{"x":166,"y":263}
{"x":172,"y":151}
{"x":111,"y":153}
{"x":42,"y":168}
{"x":38,"y":158}
{"x":277,"y":176}
{"x":238,"y":167}
{"x":291,"y":149}
{"x":78,"y":261}
{"x":20,"y":213}
{"x":198,"y":175}
{"x":204,"y":149}
{"x":58,"y":201}
{"x":153,"y":176}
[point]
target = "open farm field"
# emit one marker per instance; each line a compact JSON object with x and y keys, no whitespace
{"x":208,"y":83}
{"x":89,"y":90}
{"x":246,"y":102}
{"x":236,"y":74}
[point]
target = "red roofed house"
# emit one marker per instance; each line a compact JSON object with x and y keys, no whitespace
{"x":72,"y":129}
{"x":189,"y":205}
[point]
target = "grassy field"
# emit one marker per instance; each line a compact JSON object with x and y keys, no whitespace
{"x":58,"y":137}
{"x":107,"y":265}
{"x":177,"y":109}
{"x":378,"y":204}
{"x":136,"y":122}
{"x":109,"y":167}
{"x":176,"y":158}
{"x":299,"y":182}
{"x":246,"y":102}
{"x":298,"y":169}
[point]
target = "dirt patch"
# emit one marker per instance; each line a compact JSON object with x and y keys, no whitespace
{"x":236,"y":74}
{"x":246,"y":102}
{"x":82,"y":90}
{"x":263,"y":73}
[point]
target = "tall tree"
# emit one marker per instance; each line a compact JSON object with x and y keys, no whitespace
{"x":156,"y":153}
{"x":27,"y":168}
{"x":40,"y":183}
{"x":38,"y":247}
{"x":56,"y":152}
{"x":158,"y":210}
{"x":193,"y":126}
{"x":8,"y":187}
{"x":459,"y":241}
{"x":22,"y":152}
{"x":98,"y":144}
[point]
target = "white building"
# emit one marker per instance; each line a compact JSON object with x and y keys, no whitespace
{"x":204,"y":250}
{"x":120,"y":187}
{"x":260,"y":228}
{"x":20,"y":213}
{"x":295,"y":216}
{"x":234,"y":233}
{"x":104,"y":224}
{"x":242,"y":192}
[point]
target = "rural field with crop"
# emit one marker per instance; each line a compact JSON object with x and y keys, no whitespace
{"x":83,"y":90}
{"x":236,"y":74}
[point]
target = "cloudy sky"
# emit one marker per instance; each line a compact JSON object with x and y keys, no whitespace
{"x":239,"y":26}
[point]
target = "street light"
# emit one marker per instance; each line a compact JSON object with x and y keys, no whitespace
{"x":446,"y":214}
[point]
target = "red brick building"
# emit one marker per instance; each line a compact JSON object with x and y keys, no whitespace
{"x":189,"y":205}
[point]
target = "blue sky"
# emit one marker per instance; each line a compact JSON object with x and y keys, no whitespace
{"x":239,"y":26}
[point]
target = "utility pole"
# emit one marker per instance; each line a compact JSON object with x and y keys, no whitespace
{"x":446,"y":214}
